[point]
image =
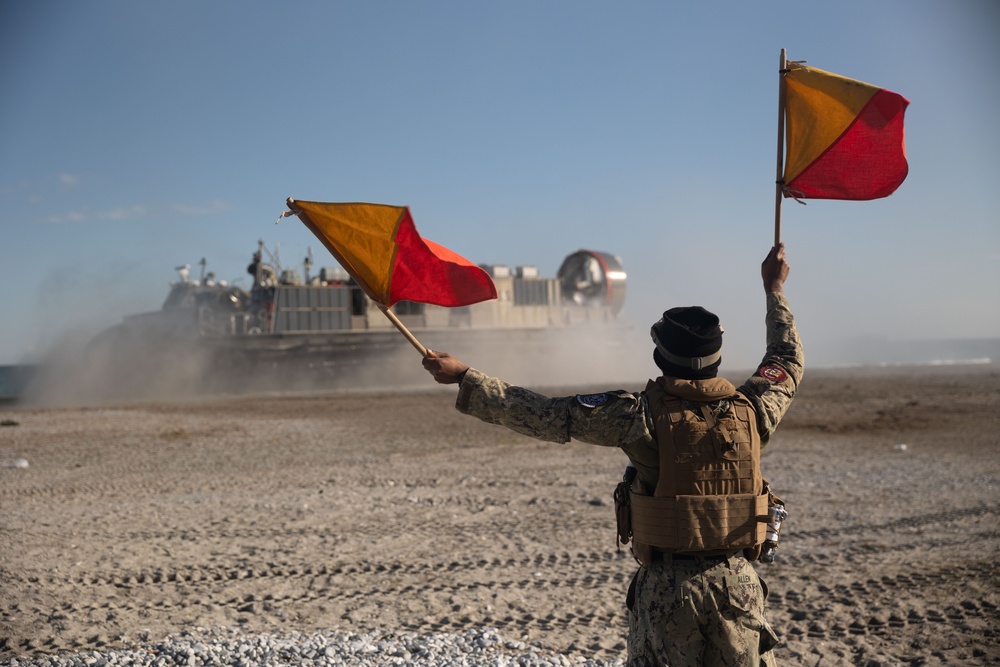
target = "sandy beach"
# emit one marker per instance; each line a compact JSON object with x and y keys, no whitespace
{"x":391,"y":512}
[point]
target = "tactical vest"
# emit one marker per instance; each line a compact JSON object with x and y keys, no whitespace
{"x":710,"y":496}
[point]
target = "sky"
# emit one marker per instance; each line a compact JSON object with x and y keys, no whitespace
{"x":139,"y":136}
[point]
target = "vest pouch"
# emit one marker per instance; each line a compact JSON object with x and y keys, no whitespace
{"x":623,"y":512}
{"x":732,"y":443}
{"x":699,"y":523}
{"x":719,"y":522}
{"x":753,"y":553}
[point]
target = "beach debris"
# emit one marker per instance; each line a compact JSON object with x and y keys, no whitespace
{"x":9,"y":422}
{"x":16,"y":463}
{"x":901,"y":447}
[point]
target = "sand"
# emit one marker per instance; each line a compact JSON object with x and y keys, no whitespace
{"x":387,"y":512}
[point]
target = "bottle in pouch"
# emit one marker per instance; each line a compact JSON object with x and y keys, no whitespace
{"x":776,"y":514}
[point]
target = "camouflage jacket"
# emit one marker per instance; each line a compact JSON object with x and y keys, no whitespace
{"x":621,"y":418}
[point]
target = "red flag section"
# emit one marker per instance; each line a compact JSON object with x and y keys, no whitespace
{"x":426,"y":272}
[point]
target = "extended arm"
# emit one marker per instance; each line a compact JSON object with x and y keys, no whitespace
{"x":773,"y":386}
{"x":610,"y":419}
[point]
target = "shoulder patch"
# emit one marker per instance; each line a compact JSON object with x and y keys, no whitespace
{"x":591,"y":400}
{"x":773,"y":373}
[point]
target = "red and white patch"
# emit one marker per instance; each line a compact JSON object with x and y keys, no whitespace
{"x":773,"y":373}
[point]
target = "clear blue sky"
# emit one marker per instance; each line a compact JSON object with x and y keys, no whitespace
{"x":138,"y":136}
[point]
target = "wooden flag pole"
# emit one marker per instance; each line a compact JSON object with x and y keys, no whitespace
{"x":782,"y":66}
{"x":403,"y":330}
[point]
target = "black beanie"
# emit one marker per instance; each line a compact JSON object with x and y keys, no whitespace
{"x":688,"y":343}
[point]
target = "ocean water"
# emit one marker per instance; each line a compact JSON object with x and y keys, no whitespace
{"x":871,"y":351}
{"x":14,"y":380}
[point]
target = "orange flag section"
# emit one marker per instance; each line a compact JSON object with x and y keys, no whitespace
{"x":844,"y":138}
{"x":379,"y":246}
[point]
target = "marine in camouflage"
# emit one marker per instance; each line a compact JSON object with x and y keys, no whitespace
{"x":686,"y":611}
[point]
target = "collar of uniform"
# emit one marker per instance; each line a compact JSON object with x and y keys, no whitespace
{"x":698,"y":390}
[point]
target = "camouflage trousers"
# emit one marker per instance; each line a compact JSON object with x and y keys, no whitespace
{"x":699,"y":612}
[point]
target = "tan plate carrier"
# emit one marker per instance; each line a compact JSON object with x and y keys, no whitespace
{"x":710,"y":496}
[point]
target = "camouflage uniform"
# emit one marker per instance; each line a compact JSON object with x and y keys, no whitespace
{"x":699,"y":611}
{"x":687,"y":610}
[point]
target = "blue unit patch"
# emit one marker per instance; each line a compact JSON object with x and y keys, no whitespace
{"x":591,"y":400}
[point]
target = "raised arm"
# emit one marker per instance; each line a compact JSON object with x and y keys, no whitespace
{"x":773,"y":386}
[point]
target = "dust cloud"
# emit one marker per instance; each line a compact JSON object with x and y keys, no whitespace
{"x":124,"y":364}
{"x":595,"y":356}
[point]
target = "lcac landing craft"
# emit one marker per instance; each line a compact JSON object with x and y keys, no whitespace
{"x":318,"y":329}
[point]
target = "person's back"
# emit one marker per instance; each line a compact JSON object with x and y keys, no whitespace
{"x":694,"y":443}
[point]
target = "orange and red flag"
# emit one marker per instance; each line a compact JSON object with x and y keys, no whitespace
{"x":843,"y":138}
{"x":379,"y":246}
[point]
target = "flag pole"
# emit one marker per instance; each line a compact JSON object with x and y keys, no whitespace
{"x":782,"y":66}
{"x":297,"y":211}
{"x":403,"y":330}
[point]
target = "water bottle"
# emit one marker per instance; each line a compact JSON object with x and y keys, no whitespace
{"x":775,"y":515}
